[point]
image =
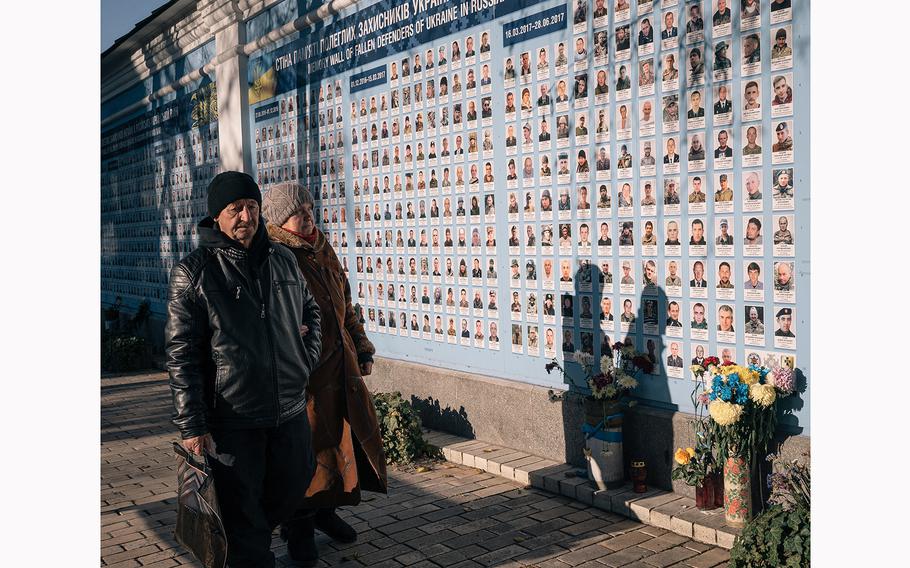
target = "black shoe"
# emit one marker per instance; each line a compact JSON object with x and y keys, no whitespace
{"x":301,"y":539}
{"x":328,"y":521}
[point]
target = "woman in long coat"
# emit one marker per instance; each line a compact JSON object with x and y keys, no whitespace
{"x":346,"y":437}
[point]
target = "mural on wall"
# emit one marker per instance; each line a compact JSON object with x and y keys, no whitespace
{"x":508,"y":182}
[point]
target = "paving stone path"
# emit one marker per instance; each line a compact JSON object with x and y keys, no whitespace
{"x":444,"y":516}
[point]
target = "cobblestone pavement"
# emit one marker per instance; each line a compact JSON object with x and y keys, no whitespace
{"x":449,"y":516}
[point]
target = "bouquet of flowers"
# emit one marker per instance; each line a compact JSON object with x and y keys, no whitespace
{"x":614,"y":377}
{"x":742,"y":404}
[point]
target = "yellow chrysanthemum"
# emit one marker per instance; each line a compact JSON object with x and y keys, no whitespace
{"x":726,"y":370}
{"x":691,"y":452}
{"x":762,"y":395}
{"x":682,"y":457}
{"x":724,"y":413}
{"x":747,"y":375}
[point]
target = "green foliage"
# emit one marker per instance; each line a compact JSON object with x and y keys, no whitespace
{"x":124,"y":353}
{"x":399,"y":424}
{"x":774,"y":538}
{"x":780,"y":535}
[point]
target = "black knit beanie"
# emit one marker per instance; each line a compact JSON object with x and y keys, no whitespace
{"x":228,"y":187}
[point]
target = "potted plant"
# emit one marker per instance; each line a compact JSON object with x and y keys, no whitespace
{"x":742,"y":405}
{"x":697,"y":468}
{"x":781,"y":534}
{"x":610,"y":384}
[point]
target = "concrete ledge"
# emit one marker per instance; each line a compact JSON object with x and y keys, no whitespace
{"x":656,"y":507}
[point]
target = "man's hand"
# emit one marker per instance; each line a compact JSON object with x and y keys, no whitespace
{"x":366,"y":368}
{"x":304,"y":330}
{"x":199,"y":443}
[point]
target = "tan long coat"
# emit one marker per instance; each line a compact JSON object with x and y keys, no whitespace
{"x":346,"y":439}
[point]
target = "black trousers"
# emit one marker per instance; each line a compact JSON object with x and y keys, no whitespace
{"x":265,"y":484}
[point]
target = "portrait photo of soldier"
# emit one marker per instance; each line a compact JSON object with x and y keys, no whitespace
{"x":754,"y":320}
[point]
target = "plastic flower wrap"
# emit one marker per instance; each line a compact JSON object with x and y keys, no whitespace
{"x":724,"y":413}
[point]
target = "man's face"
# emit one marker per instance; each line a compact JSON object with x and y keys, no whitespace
{"x":668,"y":20}
{"x":697,"y":231}
{"x":240,"y":220}
{"x":753,"y":276}
{"x":674,"y":348}
{"x":752,"y":231}
{"x":724,"y":273}
{"x":725,"y":319}
{"x":751,"y":93}
{"x":698,"y":314}
{"x":584,"y":233}
{"x":782,"y":135}
{"x":783,"y":179}
{"x":785,"y":320}
{"x":671,"y":146}
{"x":698,"y":270}
{"x":749,"y":46}
{"x":646,"y":112}
{"x":751,"y":135}
{"x":672,"y":268}
{"x":722,"y":139}
{"x":674,"y":313}
{"x":723,"y":229}
{"x":579,"y":45}
{"x":782,"y":223}
{"x":696,"y":101}
{"x":753,"y":315}
{"x":694,"y":59}
{"x":783,"y":273}
{"x":650,"y":272}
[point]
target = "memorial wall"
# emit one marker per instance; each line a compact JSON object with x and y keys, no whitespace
{"x":509,"y":182}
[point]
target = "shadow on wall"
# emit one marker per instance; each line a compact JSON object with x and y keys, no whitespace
{"x":445,"y":419}
{"x":648,"y":434}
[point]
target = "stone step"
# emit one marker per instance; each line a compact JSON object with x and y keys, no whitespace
{"x":656,"y":507}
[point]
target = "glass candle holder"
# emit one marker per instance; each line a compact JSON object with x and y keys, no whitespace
{"x":639,"y":473}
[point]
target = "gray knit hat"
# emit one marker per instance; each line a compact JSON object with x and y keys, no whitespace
{"x":283,"y":201}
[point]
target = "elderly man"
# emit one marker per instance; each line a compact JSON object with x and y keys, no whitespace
{"x":242,"y":336}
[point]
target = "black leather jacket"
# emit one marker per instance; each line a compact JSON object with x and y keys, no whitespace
{"x":234,"y":351}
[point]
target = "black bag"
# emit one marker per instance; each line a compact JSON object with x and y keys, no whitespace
{"x":199,"y":526}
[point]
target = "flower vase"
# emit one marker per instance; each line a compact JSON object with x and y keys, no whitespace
{"x":737,"y":491}
{"x":704,"y":494}
{"x":603,"y":444}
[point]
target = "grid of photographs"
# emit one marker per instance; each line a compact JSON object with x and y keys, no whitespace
{"x":154,"y":174}
{"x":631,"y":147}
